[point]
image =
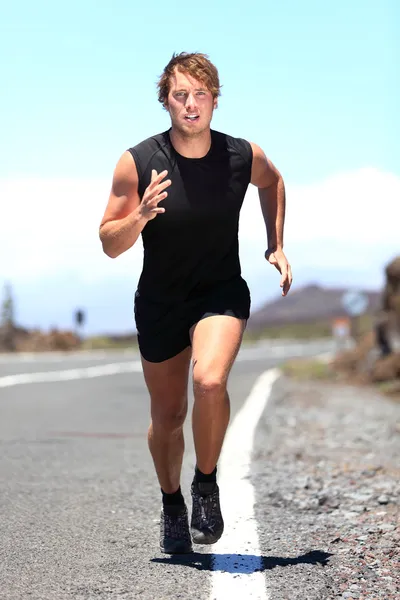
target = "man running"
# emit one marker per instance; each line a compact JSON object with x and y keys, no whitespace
{"x":182,"y":191}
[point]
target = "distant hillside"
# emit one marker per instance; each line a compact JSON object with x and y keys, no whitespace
{"x":306,"y":305}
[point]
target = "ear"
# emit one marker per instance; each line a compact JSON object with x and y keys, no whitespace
{"x":215,"y":103}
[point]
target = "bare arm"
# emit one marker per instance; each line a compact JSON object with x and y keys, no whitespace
{"x":271,"y":190}
{"x":126,"y":216}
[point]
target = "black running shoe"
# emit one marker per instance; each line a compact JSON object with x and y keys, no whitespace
{"x":174,"y":531}
{"x":207,"y":524}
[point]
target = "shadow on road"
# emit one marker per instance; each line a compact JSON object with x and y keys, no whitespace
{"x":242,"y":563}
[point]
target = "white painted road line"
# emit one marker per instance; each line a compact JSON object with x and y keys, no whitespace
{"x":70,"y":374}
{"x":236,"y":559}
{"x":134,"y":366}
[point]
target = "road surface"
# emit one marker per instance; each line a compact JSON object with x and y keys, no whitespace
{"x":79,"y":501}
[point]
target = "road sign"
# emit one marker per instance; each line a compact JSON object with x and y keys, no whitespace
{"x":341,"y":327}
{"x":354,"y":302}
{"x":79,"y":317}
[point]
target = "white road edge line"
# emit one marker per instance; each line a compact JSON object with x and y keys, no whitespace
{"x":236,"y":560}
{"x":70,"y":374}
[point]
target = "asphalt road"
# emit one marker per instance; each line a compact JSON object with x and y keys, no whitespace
{"x":79,"y":501}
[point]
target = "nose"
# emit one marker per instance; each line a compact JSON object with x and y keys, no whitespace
{"x":190,"y":100}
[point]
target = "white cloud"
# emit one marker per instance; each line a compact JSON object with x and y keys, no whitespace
{"x":342,"y":230}
{"x":51,"y":226}
{"x":358,"y":208}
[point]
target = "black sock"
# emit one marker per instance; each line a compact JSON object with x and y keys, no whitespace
{"x":173,"y":501}
{"x":203,"y":478}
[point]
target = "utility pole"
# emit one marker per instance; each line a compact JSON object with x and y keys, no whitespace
{"x":80,"y":319}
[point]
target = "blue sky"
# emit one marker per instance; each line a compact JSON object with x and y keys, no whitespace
{"x":315,"y":84}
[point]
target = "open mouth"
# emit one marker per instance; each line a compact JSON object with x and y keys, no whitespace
{"x":191,"y":118}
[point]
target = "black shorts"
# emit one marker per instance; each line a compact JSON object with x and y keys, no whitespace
{"x":163,"y":328}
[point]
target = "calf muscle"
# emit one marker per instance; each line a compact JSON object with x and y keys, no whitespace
{"x":167,"y":384}
{"x":216,"y":342}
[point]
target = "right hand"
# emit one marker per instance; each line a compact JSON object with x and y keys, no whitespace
{"x":153,"y":194}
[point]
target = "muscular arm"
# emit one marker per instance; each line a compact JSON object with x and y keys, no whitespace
{"x":122,"y":222}
{"x":271,"y":191}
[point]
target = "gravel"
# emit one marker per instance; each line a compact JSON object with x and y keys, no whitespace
{"x":327,"y":474}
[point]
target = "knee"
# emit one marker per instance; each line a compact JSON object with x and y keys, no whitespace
{"x":207,"y":383}
{"x":168,"y":419}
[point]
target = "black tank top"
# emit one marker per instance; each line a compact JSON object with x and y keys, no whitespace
{"x":193,"y":246}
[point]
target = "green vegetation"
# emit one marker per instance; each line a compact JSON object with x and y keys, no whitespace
{"x":308,"y":368}
{"x":311,"y":330}
{"x":290,"y":330}
{"x":300,"y":331}
{"x":109,"y":343}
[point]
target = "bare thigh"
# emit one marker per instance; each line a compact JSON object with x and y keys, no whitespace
{"x":167,"y":383}
{"x":216,"y":341}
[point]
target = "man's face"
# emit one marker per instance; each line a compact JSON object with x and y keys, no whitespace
{"x":190,"y":104}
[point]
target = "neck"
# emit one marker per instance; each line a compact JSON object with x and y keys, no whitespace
{"x":191,"y":146}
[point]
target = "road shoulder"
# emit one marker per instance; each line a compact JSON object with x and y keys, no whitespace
{"x":326,"y":474}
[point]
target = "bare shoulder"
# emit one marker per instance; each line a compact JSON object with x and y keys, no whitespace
{"x":123,"y":197}
{"x":125,"y":172}
{"x":263,"y":171}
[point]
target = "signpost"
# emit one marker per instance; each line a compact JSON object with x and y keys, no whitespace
{"x":341,"y":327}
{"x":80,"y":319}
{"x":355,"y":304}
{"x":341,"y":331}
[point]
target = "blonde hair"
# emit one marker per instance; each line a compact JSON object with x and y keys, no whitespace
{"x":195,"y":64}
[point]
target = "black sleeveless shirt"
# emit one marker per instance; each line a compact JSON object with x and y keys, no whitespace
{"x":193,"y":246}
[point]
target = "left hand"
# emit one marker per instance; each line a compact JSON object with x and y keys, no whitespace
{"x":279,"y":260}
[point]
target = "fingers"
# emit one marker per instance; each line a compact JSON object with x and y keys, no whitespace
{"x":281,"y":264}
{"x":157,"y":186}
{"x":285,"y":286}
{"x":153,"y":203}
{"x":156,"y":178}
{"x":162,"y":186}
{"x":154,"y":194}
{"x":286,"y":280}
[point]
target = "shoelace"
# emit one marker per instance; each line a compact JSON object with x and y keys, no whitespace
{"x":205,"y":502}
{"x":176,"y":527}
{"x":203,"y":517}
